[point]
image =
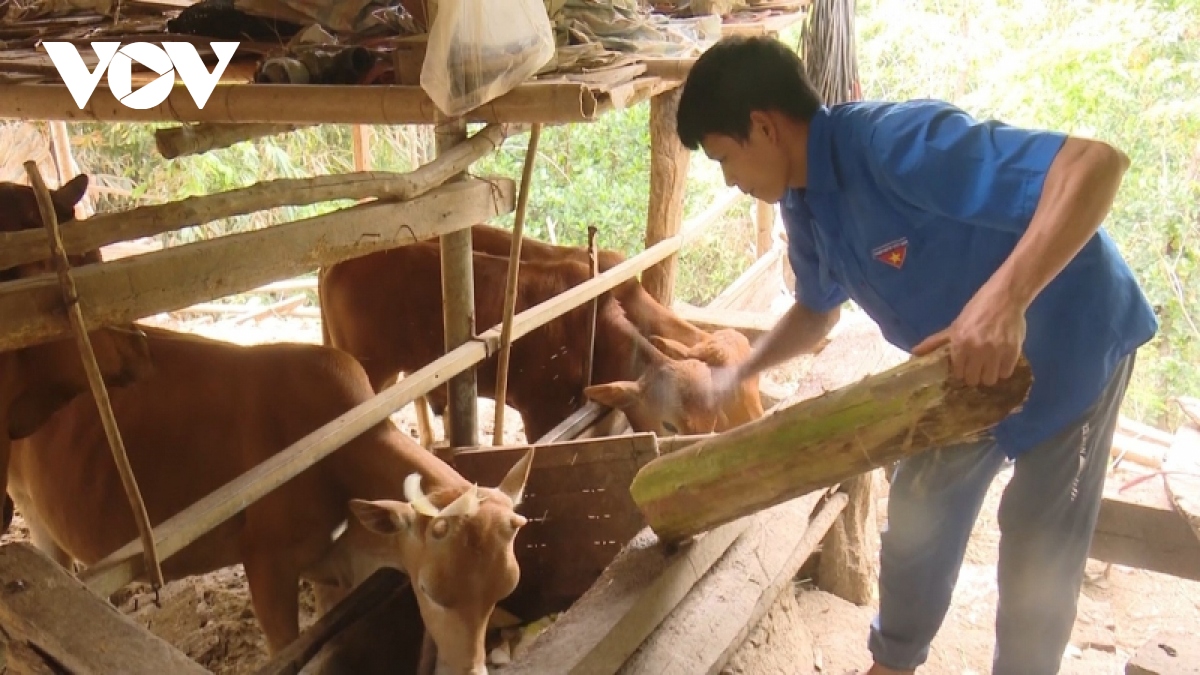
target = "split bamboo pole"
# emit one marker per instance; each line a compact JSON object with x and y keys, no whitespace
{"x":95,"y":378}
{"x":820,"y":442}
{"x":510,"y":292}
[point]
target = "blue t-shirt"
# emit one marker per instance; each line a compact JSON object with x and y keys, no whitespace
{"x":910,"y":207}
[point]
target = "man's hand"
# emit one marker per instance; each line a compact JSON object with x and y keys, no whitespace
{"x":986,"y":338}
{"x":725,"y":380}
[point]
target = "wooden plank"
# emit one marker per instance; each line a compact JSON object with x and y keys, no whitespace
{"x":579,"y":509}
{"x":124,"y":565}
{"x":548,"y":103}
{"x":47,"y":608}
{"x":1170,"y":652}
{"x":1139,"y":528}
{"x":709,"y":626}
{"x":1181,"y":476}
{"x":751,"y":324}
{"x":361,"y":601}
{"x":635,"y":593}
{"x":132,"y":288}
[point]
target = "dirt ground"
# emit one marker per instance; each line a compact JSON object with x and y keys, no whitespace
{"x":211,"y":620}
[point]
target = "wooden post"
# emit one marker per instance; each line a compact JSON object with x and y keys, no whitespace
{"x":92,"y":369}
{"x":360,"y":139}
{"x":510,"y":292}
{"x":668,"y":177}
{"x":458,"y":310}
{"x":764,"y":223}
{"x":820,"y":442}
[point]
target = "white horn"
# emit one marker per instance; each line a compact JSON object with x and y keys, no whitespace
{"x":466,"y":505}
{"x":416,"y":498}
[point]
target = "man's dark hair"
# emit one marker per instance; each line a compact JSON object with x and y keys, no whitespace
{"x":737,"y":76}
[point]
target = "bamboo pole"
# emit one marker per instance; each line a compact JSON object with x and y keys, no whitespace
{"x":20,"y":248}
{"x":197,"y":139}
{"x":820,"y":442}
{"x":458,"y":307}
{"x":302,"y":104}
{"x":123,"y":565}
{"x":590,"y":356}
{"x":510,"y":292}
{"x":95,"y":378}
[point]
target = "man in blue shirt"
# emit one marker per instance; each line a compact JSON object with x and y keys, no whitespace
{"x":947,"y":231}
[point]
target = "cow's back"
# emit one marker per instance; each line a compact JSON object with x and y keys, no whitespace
{"x":209,"y":412}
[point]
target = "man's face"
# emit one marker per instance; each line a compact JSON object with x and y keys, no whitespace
{"x":758,"y":166}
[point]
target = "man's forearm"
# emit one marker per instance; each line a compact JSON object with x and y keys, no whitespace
{"x":798,"y":331}
{"x":1079,"y":191}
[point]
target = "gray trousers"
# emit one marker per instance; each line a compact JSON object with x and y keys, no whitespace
{"x":1046,"y":518}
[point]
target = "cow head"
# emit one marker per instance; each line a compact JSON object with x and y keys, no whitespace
{"x":670,"y":397}
{"x":36,"y":381}
{"x":456,"y":545}
{"x":724,"y":347}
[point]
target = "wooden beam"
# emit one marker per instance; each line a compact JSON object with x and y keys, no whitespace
{"x":749,"y":291}
{"x":751,"y":324}
{"x":197,"y":139}
{"x":545,"y":102}
{"x":368,"y":595}
{"x":1138,"y":527}
{"x":44,"y":607}
{"x":709,"y":626}
{"x":668,"y":178}
{"x":18,"y":248}
{"x":821,"y":442}
{"x":634,"y":594}
{"x":132,"y":288}
{"x":124,"y":565}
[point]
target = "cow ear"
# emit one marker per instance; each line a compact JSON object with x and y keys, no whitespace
{"x":69,"y":194}
{"x":619,"y":395}
{"x":386,"y":517}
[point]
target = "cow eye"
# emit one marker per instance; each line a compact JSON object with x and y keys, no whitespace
{"x":670,"y":428}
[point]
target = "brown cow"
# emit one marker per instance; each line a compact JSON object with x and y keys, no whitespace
{"x":673,"y":335}
{"x":35,"y":381}
{"x":385,"y":308}
{"x":212,"y":411}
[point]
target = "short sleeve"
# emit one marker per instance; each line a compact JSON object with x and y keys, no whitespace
{"x":937,"y":158}
{"x":816,"y":288}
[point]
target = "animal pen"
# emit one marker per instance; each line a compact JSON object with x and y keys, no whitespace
{"x":627,"y":602}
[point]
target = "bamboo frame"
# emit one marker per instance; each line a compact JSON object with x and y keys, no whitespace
{"x":91,"y":367}
{"x":124,"y":565}
{"x":26,"y":247}
{"x":162,"y":281}
{"x":510,"y":292}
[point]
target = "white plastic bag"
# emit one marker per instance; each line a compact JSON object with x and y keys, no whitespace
{"x":480,"y":49}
